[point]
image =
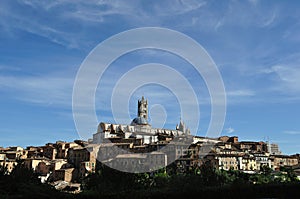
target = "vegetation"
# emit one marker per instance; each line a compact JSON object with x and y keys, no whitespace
{"x":205,"y":180}
{"x":164,"y":183}
{"x":24,"y":183}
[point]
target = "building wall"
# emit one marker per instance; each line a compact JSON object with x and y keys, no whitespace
{"x":10,"y":165}
{"x":43,"y":168}
{"x":283,"y":160}
{"x":227,"y":162}
{"x":57,"y":164}
{"x":249,"y":164}
{"x":64,"y":174}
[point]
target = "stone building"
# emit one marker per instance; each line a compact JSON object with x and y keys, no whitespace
{"x":228,"y":161}
{"x":139,"y":128}
{"x":274,"y":149}
{"x":66,"y":174}
{"x":262,"y":159}
{"x":248,"y":163}
{"x":252,"y":146}
{"x":33,"y":151}
{"x":49,"y":151}
{"x":278,"y":161}
{"x":83,"y":159}
{"x":143,"y":108}
{"x":62,"y":148}
{"x":33,"y":163}
{"x":8,"y":164}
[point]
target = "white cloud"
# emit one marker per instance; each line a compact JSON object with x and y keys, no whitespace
{"x":219,"y":24}
{"x":96,"y":14}
{"x":288,"y":77}
{"x":240,"y":93}
{"x":177,"y":7}
{"x":254,"y":2}
{"x":292,"y":132}
{"x":242,"y":96}
{"x":249,"y":14}
{"x":269,"y":21}
{"x":229,"y":130}
{"x":44,"y":90}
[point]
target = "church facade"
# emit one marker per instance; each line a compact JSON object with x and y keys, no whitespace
{"x":139,"y":128}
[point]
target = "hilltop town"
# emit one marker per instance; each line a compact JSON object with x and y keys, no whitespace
{"x":137,"y":147}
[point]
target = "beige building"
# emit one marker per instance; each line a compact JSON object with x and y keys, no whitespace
{"x":58,"y":164}
{"x":2,"y":156}
{"x":262,"y":159}
{"x":49,"y":151}
{"x":33,"y":163}
{"x":228,"y":161}
{"x":14,"y":153}
{"x":32,"y":152}
{"x":62,"y":148}
{"x":252,"y":146}
{"x":138,"y":161}
{"x":283,"y":160}
{"x":129,"y":162}
{"x":157,"y":160}
{"x":274,"y":149}
{"x":43,"y":168}
{"x":8,"y":164}
{"x":248,"y":163}
{"x":80,"y":154}
{"x":83,"y":159}
{"x":64,"y":174}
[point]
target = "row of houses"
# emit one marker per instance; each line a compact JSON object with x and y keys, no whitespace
{"x":45,"y":160}
{"x":140,"y":148}
{"x":72,"y":161}
{"x":248,"y":156}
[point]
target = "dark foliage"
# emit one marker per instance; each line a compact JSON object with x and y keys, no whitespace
{"x":198,"y":182}
{"x":203,"y":181}
{"x":24,"y":183}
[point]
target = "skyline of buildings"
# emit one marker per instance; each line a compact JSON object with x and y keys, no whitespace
{"x":141,"y":129}
{"x":141,"y":124}
{"x":254,"y":44}
{"x":139,"y":148}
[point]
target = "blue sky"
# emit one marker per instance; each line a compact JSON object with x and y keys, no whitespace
{"x":255,"y":45}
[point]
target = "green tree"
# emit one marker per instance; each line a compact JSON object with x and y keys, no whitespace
{"x":290,"y":175}
{"x":208,"y":174}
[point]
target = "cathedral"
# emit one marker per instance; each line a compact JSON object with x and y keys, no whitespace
{"x":139,"y":128}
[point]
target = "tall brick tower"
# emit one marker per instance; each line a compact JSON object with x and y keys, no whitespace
{"x":143,"y":108}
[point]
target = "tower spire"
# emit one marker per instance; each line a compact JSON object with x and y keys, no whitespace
{"x":143,"y":108}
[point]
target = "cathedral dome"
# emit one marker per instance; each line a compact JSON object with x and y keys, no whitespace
{"x":139,"y":121}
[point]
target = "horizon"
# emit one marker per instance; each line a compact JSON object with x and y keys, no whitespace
{"x":254,"y":44}
{"x":53,"y":142}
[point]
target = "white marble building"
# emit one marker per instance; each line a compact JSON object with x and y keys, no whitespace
{"x":139,"y":128}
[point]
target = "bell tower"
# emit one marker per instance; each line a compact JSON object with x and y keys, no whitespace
{"x":143,"y":108}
